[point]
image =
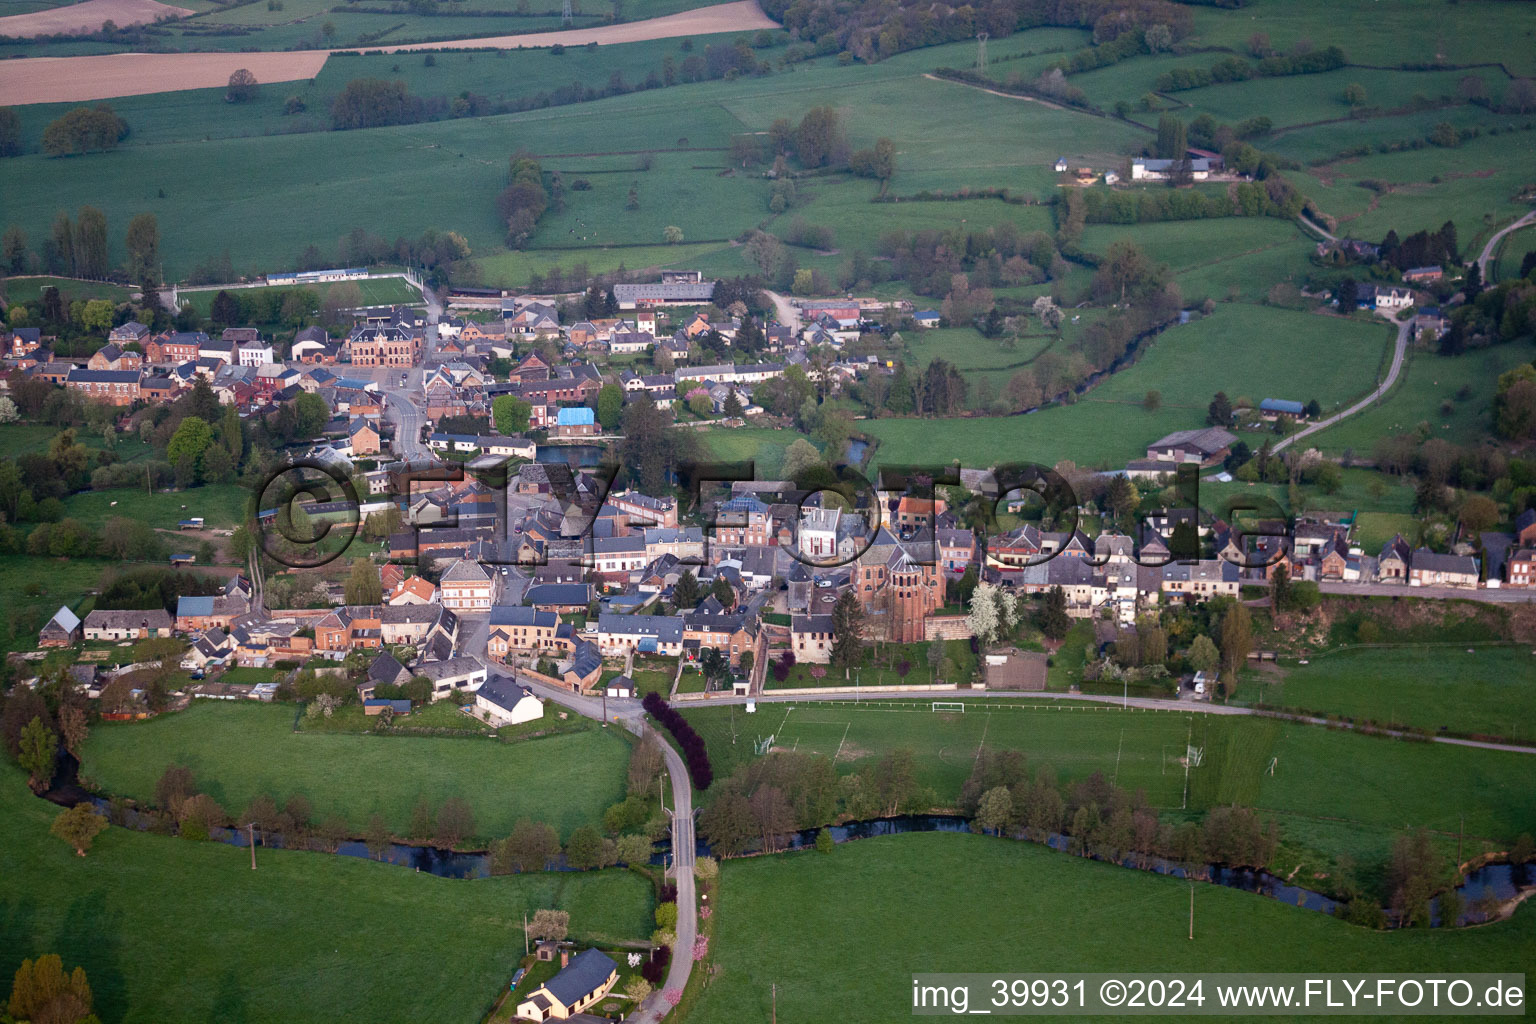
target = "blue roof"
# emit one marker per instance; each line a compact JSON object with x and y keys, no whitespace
{"x":584,"y":975}
{"x":1282,"y":405}
{"x":925,"y":314}
{"x":399,"y":707}
{"x":575,"y":416}
{"x":194,"y":606}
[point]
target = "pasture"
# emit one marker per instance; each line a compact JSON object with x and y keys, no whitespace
{"x":972,"y":903}
{"x":221,"y":506}
{"x":166,"y":957}
{"x":1449,"y":397}
{"x":237,"y":752}
{"x":1490,"y":692}
{"x":30,"y":289}
{"x":1135,"y":749}
{"x":32,"y":588}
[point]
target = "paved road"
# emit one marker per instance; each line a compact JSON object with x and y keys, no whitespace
{"x":1308,"y":222}
{"x":628,"y":713}
{"x":1499,"y":596}
{"x":1493,"y":243}
{"x":1399,"y":353}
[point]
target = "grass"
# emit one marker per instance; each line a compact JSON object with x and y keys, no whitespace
{"x":239,"y":751}
{"x":30,"y":289}
{"x":971,"y":903}
{"x":958,"y":667}
{"x":220,"y":506}
{"x":1416,"y":402}
{"x":1132,"y":747}
{"x":1512,"y":251}
{"x":167,"y":957}
{"x":378,"y":291}
{"x":1492,"y":691}
{"x":32,"y":589}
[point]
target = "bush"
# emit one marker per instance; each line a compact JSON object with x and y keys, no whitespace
{"x":694,"y":751}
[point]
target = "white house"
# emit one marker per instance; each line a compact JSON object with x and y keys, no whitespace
{"x":452,"y":674}
{"x":507,"y":702}
{"x":255,"y":353}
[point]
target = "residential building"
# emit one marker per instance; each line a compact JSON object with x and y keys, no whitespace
{"x":1430,"y":569}
{"x":505,"y":702}
{"x":450,"y":674}
{"x":581,"y":983}
{"x":467,"y":586}
{"x":810,"y":637}
{"x":108,"y":387}
{"x":105,"y":624}
{"x":63,"y":630}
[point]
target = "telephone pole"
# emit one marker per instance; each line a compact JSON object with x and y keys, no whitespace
{"x":1191,"y":909}
{"x":251,"y":827}
{"x":773,"y":989}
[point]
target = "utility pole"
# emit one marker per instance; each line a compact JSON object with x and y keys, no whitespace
{"x":525,"y":933}
{"x":1191,"y":909}
{"x":251,"y":826}
{"x":774,"y":991}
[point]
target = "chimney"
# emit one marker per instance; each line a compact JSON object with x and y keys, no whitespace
{"x":565,"y":958}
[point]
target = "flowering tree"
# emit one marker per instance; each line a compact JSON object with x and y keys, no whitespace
{"x":673,"y":996}
{"x":700,"y":948}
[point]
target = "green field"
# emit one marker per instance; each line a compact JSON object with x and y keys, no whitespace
{"x":239,"y":751}
{"x":976,"y":904}
{"x":1416,"y":401}
{"x":33,"y":588}
{"x":1135,"y":749}
{"x":377,"y":291}
{"x":221,"y":506}
{"x":30,"y":289}
{"x":1512,"y":252}
{"x":1492,"y":692}
{"x":155,"y":920}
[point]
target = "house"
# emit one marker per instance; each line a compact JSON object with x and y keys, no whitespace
{"x":581,"y":983}
{"x":1520,"y":568}
{"x":63,"y":630}
{"x":450,"y":674}
{"x":384,"y":670}
{"x":179,"y":347}
{"x":416,"y":590}
{"x":1061,"y":165}
{"x":515,"y":629}
{"x":1160,"y":170}
{"x":363,"y":437}
{"x":311,"y":344}
{"x":506,"y":702}
{"x":1423,"y":275}
{"x":810,"y":637}
{"x":581,"y":670}
{"x":1525,"y":528}
{"x":1385,"y":298}
{"x":1013,"y":669}
{"x":109,"y":387}
{"x":253,"y":353}
{"x":1392,"y":563}
{"x":1204,"y":447}
{"x":467,"y":586}
{"x":560,"y":598}
{"x":926,"y":318}
{"x":644,"y":509}
{"x":111,"y":357}
{"x":130,"y":331}
{"x":127,"y":625}
{"x":575,"y":421}
{"x":1430,"y":569}
{"x":617,"y":635}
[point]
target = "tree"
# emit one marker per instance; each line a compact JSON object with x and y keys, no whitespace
{"x":549,"y":925}
{"x":1479,"y":513}
{"x":1354,"y":94}
{"x":174,"y":786}
{"x":510,"y":414}
{"x":43,"y":994}
{"x":1219,"y":412}
{"x":91,"y":255}
{"x":1236,"y":640}
{"x":74,"y":727}
{"x":1280,"y":589}
{"x":994,"y":812}
{"x":363,"y":585}
{"x":672,"y":234}
{"x":1203,"y":656}
{"x":10,"y":134}
{"x":634,"y":850}
{"x":455,"y":822}
{"x":531,"y":845}
{"x":39,"y":750}
{"x":79,"y":826}
{"x":800,"y":456}
{"x":685,"y":593}
{"x":84,"y":130}
{"x":143,"y":244}
{"x":584,"y":850}
{"x":13,"y":249}
{"x":242,"y":87}
{"x":191,"y":439}
{"x":8,"y":412}
{"x":1172,"y":137}
{"x":1054,"y":620}
{"x":847,"y":632}
{"x":1152,"y":401}
{"x":818,"y":136}
{"x":225,"y":309}
{"x":610,"y":406}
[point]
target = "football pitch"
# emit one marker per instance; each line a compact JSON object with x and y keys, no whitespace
{"x":1134,"y":748}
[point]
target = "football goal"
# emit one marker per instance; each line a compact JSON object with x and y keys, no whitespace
{"x":950,"y":706}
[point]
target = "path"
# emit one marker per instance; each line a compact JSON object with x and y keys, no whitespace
{"x":1493,"y":243}
{"x":105,"y":76}
{"x":1308,"y":222}
{"x":1399,"y":352}
{"x":786,"y":312}
{"x":999,"y":92}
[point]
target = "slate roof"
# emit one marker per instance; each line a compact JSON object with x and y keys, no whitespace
{"x":504,"y":693}
{"x":587,"y":970}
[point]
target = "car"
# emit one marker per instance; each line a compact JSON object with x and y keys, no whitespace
{"x":823,"y":584}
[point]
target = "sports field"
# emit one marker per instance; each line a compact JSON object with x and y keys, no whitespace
{"x":1135,"y":749}
{"x":154,"y":921}
{"x":935,"y":902}
{"x":376,"y":291}
{"x":238,"y":751}
{"x":30,"y":289}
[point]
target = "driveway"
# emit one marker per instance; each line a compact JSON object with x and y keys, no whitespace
{"x":1399,"y":354}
